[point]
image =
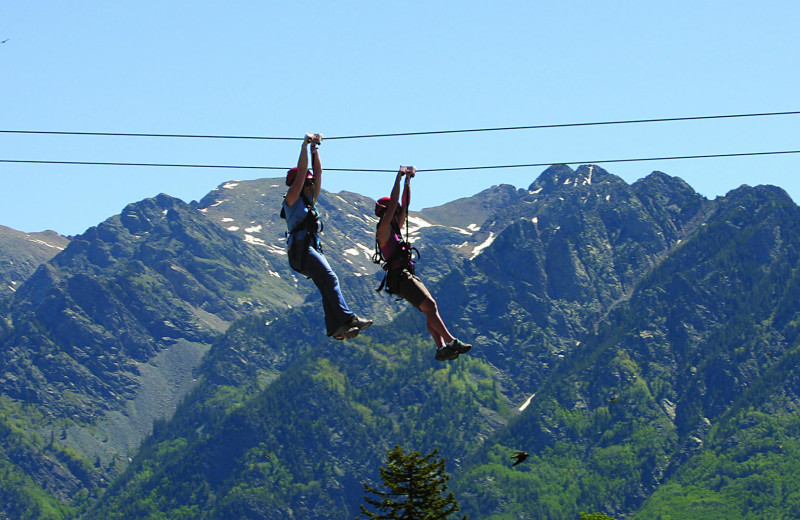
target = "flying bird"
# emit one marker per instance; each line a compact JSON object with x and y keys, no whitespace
{"x":520,"y":456}
{"x":613,"y":399}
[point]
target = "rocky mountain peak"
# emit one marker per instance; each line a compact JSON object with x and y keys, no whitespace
{"x":139,"y":217}
{"x":562,"y":176}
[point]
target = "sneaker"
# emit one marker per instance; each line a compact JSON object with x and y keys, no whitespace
{"x":459,"y":346}
{"x":446,"y":353}
{"x":345,"y":332}
{"x":361,"y":323}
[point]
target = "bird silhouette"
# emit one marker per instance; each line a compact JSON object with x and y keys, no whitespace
{"x":613,"y":399}
{"x":4,"y":40}
{"x":520,"y":456}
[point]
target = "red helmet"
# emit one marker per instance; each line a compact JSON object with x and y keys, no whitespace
{"x":381,"y":205}
{"x":291,"y":174}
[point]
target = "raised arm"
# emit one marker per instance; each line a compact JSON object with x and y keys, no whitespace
{"x":410,"y":172}
{"x":316,"y":166}
{"x":385,"y":225}
{"x":302,"y":170}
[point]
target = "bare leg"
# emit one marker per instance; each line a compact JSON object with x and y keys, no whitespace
{"x":436,"y":327}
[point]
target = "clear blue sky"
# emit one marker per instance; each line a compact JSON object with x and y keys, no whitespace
{"x":269,"y":68}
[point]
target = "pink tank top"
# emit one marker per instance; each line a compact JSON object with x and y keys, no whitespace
{"x":395,"y":252}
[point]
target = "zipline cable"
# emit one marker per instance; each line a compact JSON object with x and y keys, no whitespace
{"x":120,"y":134}
{"x":168,"y":165}
{"x":366,"y":170}
{"x":608,"y":161}
{"x":406,"y":134}
{"x":566,"y":125}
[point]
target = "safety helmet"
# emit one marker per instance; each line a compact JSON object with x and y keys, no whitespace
{"x":381,"y":205}
{"x":291,"y":174}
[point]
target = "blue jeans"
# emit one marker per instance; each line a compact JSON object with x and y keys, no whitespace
{"x":311,"y":263}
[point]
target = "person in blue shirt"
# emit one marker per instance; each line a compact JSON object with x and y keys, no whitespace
{"x":305,"y":253}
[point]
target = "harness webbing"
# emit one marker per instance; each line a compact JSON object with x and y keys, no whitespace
{"x":312,"y":224}
{"x":404,"y":252}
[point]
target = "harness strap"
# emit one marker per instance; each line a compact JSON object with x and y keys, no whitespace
{"x":311,"y":224}
{"x":312,"y":221}
{"x":404,"y":251}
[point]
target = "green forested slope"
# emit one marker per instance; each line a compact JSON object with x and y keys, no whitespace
{"x":303,"y":442}
{"x":706,"y":344}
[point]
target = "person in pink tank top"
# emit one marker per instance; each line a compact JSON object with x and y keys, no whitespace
{"x":400,"y":278}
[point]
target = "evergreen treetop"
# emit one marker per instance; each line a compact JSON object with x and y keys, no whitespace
{"x":415,"y":487}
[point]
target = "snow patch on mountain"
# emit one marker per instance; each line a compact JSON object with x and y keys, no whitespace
{"x":368,"y":251}
{"x":463,"y":231}
{"x":254,"y":240}
{"x":479,"y":248}
{"x":416,"y":223}
{"x":527,"y":402}
{"x":272,"y":248}
{"x":42,"y":242}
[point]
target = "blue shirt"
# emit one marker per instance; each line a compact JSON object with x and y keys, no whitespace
{"x":295,"y":215}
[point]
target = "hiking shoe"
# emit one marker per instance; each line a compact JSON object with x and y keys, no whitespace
{"x":345,"y":332}
{"x":361,"y":323}
{"x":446,"y":353}
{"x":459,"y":346}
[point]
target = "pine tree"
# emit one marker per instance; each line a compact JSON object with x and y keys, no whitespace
{"x":415,"y":488}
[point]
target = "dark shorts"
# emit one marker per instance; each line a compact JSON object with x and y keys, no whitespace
{"x":406,"y":285}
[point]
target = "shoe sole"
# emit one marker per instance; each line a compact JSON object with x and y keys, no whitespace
{"x":350,"y":334}
{"x":449,"y":358}
{"x":453,"y":354}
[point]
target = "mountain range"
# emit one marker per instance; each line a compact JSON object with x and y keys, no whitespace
{"x":639,"y":341}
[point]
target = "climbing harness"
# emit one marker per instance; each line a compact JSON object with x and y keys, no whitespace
{"x":401,"y":258}
{"x":311,"y":225}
